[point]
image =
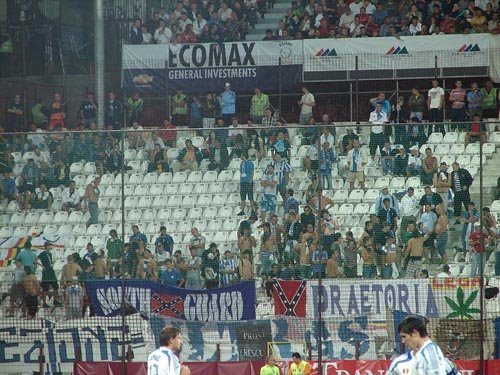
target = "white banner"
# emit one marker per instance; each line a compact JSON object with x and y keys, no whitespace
{"x":407,"y":52}
{"x":434,"y":298}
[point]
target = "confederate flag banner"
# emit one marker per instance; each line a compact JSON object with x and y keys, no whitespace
{"x":289,"y":298}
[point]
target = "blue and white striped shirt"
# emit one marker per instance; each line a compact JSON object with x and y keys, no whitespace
{"x":281,"y":168}
{"x":429,"y":360}
{"x":226,"y":265}
{"x":163,"y":361}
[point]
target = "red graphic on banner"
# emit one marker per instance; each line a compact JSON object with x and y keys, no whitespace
{"x":289,"y":298}
{"x":168,"y":305}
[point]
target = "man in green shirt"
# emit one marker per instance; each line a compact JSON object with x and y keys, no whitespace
{"x":135,"y":106}
{"x":114,"y":246}
{"x":270,"y":367}
{"x":179,"y":108}
{"x":260,"y":102}
{"x":490,"y":97}
{"x":38,"y":112}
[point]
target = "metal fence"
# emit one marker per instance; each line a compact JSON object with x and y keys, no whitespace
{"x":125,"y":305}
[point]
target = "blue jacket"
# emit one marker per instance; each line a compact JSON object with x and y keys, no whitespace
{"x":228,"y":102}
{"x":197,"y":153}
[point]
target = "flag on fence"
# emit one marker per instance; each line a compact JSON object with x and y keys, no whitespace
{"x":11,"y":246}
{"x":290,"y":298}
{"x":168,"y":305}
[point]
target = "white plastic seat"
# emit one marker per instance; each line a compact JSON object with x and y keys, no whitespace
{"x":65,"y":229}
{"x":382,"y":182}
{"x":156,"y":190}
{"x":75,"y":168}
{"x":214,"y":225}
{"x":371,"y":195}
{"x":79,"y":230}
{"x":94,"y":229}
{"x":210,"y":176}
{"x":56,"y":192}
{"x":128,"y":190}
{"x":81,"y":242}
{"x":472,"y":149}
{"x":141,"y":190}
{"x":346,"y":209}
{"x":494,"y":137}
{"x":134,"y":216}
{"x":200,"y":188}
{"x":197,"y":141}
{"x":112,"y":191}
{"x":488,"y":148}
{"x":89,"y":168}
{"x":50,"y":229}
{"x":397,"y":183}
{"x":201,"y":225}
{"x":450,"y":137}
{"x":457,"y":149}
{"x":76,"y":217}
{"x":296,"y":162}
{"x":357,"y":195}
{"x":135,"y":178}
{"x":46,"y":218}
{"x":210,"y":213}
{"x":189,"y":201}
{"x":448,"y":159}
{"x":171,"y":189}
{"x":362,"y":209}
{"x":159,"y":202}
{"x":148,"y":215}
{"x":234,"y":164}
{"x":145,"y":202}
{"x":163,"y":214}
{"x":195,"y":213}
{"x":225,"y":175}
{"x":442,"y":149}
{"x":180,"y":177}
{"x":219,"y":200}
{"x":103,"y":203}
{"x":7,"y":231}
{"x":130,"y":154}
{"x":173,"y":153}
{"x":204,"y":200}
{"x":463,"y":160}
{"x":20,"y":231}
{"x":216,"y":187}
{"x":194,"y":177}
{"x":131,"y":202}
{"x":178,"y":214}
{"x":340,"y":196}
{"x":435,"y":138}
{"x":31,"y":219}
{"x":225,"y":212}
{"x":107,"y":179}
{"x":184,"y":226}
{"x":164,"y":178}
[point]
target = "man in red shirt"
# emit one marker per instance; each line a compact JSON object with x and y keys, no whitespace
{"x":477,"y":131}
{"x":478,"y":249}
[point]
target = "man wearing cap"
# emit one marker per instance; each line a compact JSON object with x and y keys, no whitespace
{"x":414,"y":167}
{"x":478,"y":258}
{"x":227,"y":102}
{"x":377,"y":137}
{"x":442,"y":182}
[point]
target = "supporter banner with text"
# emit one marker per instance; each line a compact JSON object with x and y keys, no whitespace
{"x":204,"y":67}
{"x":453,"y":298}
{"x":235,"y":302}
{"x":492,"y":367}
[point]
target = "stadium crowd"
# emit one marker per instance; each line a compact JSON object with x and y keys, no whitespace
{"x":216,"y":22}
{"x":289,"y":234}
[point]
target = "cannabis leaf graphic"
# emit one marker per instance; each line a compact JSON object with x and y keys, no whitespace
{"x":461,"y":309}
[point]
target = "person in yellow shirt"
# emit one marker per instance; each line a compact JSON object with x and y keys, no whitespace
{"x":298,"y":366}
{"x":270,"y":367}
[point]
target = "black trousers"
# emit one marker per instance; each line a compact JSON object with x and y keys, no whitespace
{"x":377,"y":140}
{"x":461,"y":197}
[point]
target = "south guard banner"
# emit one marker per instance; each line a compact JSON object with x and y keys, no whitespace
{"x":203,"y":68}
{"x":236,"y":302}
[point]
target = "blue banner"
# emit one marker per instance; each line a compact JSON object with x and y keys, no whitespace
{"x":236,"y":302}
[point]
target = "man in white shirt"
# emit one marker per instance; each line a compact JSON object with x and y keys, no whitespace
{"x":428,"y":357}
{"x":71,"y":198}
{"x":36,"y":137}
{"x":377,"y":137}
{"x":356,"y":162}
{"x":164,"y":361}
{"x":163,"y":34}
{"x":307,"y":102}
{"x":184,"y":21}
{"x":435,"y":101}
{"x":198,"y":24}
{"x":355,"y":7}
{"x":408,"y":208}
{"x":225,"y":12}
{"x":154,"y":140}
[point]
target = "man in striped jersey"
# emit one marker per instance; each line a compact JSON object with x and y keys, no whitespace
{"x":282,"y":170}
{"x":228,"y":269}
{"x":426,"y":357}
{"x":164,"y":360}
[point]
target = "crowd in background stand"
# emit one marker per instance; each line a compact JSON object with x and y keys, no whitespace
{"x":401,"y":234}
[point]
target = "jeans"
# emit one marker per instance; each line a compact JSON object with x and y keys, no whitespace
{"x":369,"y":271}
{"x":94,"y":213}
{"x":478,"y":262}
{"x":305,"y":271}
{"x":387,"y":271}
{"x":441,"y":241}
{"x":414,"y":170}
{"x":458,"y":115}
{"x":387,"y":166}
{"x":326,"y":179}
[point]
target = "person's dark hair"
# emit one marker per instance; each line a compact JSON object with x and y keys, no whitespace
{"x":167,"y":334}
{"x":386,"y":200}
{"x":410,"y":324}
{"x":296,"y":355}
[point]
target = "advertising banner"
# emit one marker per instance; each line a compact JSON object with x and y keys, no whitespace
{"x":235,"y":302}
{"x":205,"y":67}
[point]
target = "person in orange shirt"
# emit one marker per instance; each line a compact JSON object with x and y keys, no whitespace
{"x":57,"y":112}
{"x":298,"y":366}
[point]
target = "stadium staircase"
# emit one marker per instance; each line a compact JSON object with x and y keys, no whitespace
{"x":270,"y":21}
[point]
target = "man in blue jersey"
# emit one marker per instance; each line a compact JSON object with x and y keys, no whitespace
{"x":424,"y":357}
{"x":164,"y":360}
